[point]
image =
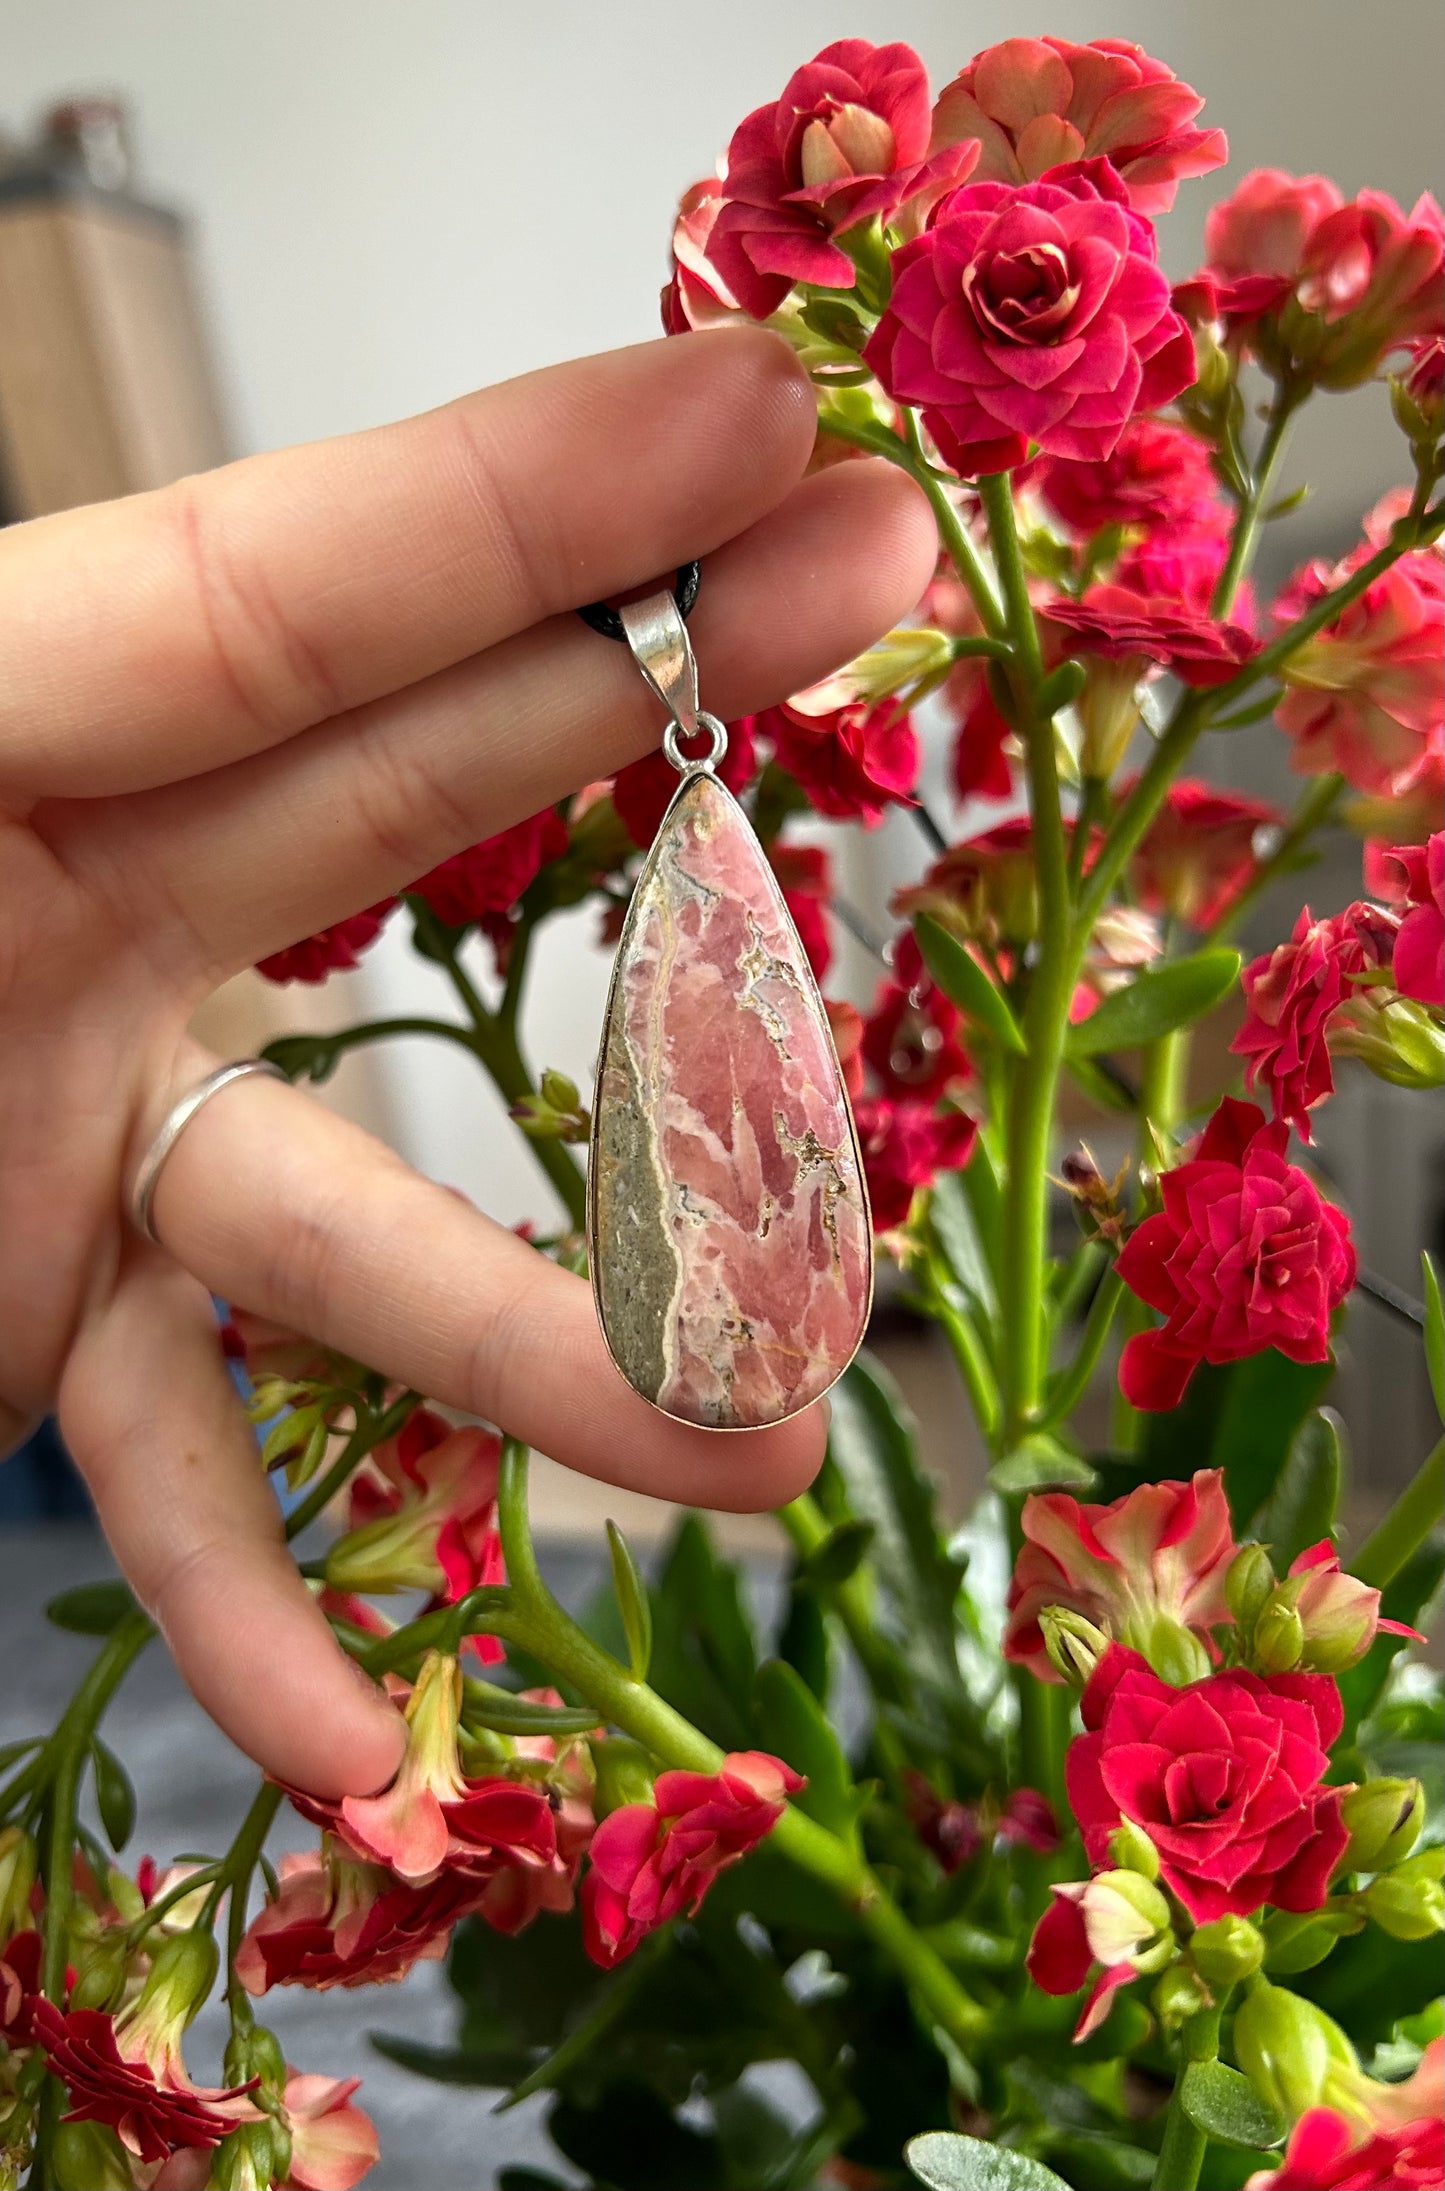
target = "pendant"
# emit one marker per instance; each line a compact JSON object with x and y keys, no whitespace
{"x":728,"y":1228}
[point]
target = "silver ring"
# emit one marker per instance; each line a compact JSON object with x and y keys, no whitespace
{"x":174,"y":1124}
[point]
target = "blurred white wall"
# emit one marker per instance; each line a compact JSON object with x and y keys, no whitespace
{"x":396,"y":202}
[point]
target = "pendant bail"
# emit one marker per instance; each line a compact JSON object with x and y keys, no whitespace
{"x":662,"y":651}
{"x":657,"y":635}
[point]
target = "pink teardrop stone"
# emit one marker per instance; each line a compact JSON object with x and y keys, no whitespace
{"x":731,"y":1246}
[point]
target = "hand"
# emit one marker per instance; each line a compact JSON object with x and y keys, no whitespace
{"x":235,"y":711}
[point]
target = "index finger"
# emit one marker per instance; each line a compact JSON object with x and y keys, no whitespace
{"x":171,"y":632}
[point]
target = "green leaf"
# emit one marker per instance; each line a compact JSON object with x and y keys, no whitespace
{"x":873,"y":1446}
{"x":804,"y":1639}
{"x":1301,"y":1508}
{"x":1155,"y":1003}
{"x":1225,"y":2105}
{"x":1038,"y":1462}
{"x":946,"y":2162}
{"x":445,"y":2064}
{"x":1242,"y":1419}
{"x":703,"y":1654}
{"x":964,"y":982}
{"x":1434,"y":1333}
{"x":632,"y":1602}
{"x":840,"y":1554}
{"x":793,"y":1725}
{"x":9,"y":1751}
{"x":92,"y":1608}
{"x":304,"y":1057}
{"x":955,"y":1227}
{"x":114,"y":1795}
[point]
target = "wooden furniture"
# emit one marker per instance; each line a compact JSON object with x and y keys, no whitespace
{"x":105,"y":383}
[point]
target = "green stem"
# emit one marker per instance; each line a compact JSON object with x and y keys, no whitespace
{"x":953,"y":533}
{"x":241,"y":1861}
{"x":1181,"y":2156}
{"x":1075,"y":1380}
{"x":1409,"y":1522}
{"x":371,"y":1432}
{"x":909,"y":456}
{"x":851,"y":1600}
{"x":66,"y":1753}
{"x":1287,"y":400}
{"x":1416,"y":529}
{"x":1161,"y":1093}
{"x":494,"y":1040}
{"x":1046,"y":1014}
{"x":539,"y":1624}
{"x":67,"y":1748}
{"x":384,"y":1030}
{"x":1315,"y":807}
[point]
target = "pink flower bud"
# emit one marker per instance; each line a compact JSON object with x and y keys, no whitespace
{"x":1339,"y":1615}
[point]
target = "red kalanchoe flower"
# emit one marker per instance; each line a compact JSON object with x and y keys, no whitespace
{"x":912,"y":1042}
{"x":1226,"y":1777}
{"x":423,"y":1517}
{"x":337,"y":1922}
{"x":1420,"y":400}
{"x":848,"y":139}
{"x":333,"y":2143}
{"x":517,"y":1842}
{"x":1034,"y":314}
{"x":127,"y":2072}
{"x":905,"y":1146}
{"x":1244,"y":1255}
{"x":1158,"y":1555}
{"x":1158,"y":475}
{"x":1296,"y":994}
{"x":1122,"y":625}
{"x":650,"y":1862}
{"x":1257,"y":237}
{"x":643,"y":791}
{"x":1318,"y":285}
{"x":985,"y":889}
{"x":1364,"y":696}
{"x":1372,"y":2137}
{"x":980,"y":764}
{"x":851,"y":761}
{"x":1035,"y":102}
{"x":805,"y":875}
{"x":488,"y":878}
{"x":20,"y":1963}
{"x":334,"y":950}
{"x":1116,"y":1923}
{"x":1419,"y":961}
{"x":1027,"y":1820}
{"x":1183,"y":564}
{"x":1324,"y":2154}
{"x":1200,"y":851}
{"x":697,"y":295}
{"x":951,"y":1831}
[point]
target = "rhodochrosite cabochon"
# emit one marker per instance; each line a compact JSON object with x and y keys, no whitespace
{"x":731,"y":1246}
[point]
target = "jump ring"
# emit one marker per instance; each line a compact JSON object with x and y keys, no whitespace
{"x":685,"y":763}
{"x":684,"y":593}
{"x":174,"y":1124}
